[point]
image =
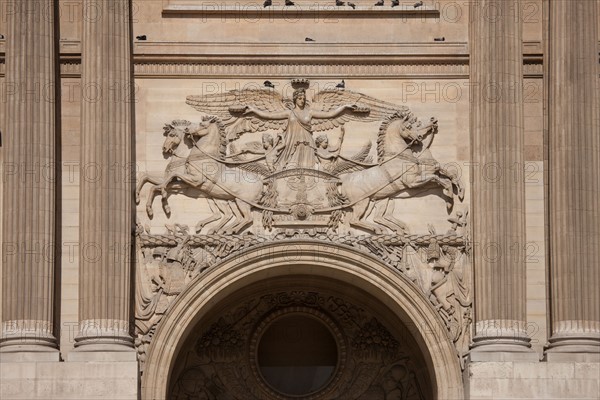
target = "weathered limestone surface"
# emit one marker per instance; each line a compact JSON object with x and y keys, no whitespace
{"x":574,"y":162}
{"x":106,"y":196}
{"x":498,"y":189}
{"x":530,"y":380}
{"x":28,"y":221}
{"x":70,"y":380}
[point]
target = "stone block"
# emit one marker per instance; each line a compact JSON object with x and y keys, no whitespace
{"x":561,"y":370}
{"x":530,"y":370}
{"x":481,"y":388}
{"x":69,"y":380}
{"x":587,"y":371}
{"x":483,"y":370}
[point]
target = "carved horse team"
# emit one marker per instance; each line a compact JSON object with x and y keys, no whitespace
{"x":202,"y":163}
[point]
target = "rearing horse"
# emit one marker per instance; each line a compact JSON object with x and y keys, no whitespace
{"x":400,"y":168}
{"x":177,"y":147}
{"x":207,"y":172}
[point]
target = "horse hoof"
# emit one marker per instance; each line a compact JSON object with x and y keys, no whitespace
{"x":137,"y":198}
{"x":149,"y":211}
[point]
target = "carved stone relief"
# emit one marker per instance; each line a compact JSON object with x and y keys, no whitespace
{"x":291,"y":185}
{"x":372,"y":363}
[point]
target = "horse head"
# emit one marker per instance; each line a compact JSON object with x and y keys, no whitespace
{"x":401,"y":131}
{"x":413,"y":131}
{"x":208,"y":134}
{"x":204,"y":127}
{"x":174,"y":134}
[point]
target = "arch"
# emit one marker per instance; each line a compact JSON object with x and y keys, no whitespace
{"x":315,"y":259}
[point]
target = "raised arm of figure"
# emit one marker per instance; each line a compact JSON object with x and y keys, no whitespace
{"x":333,"y":113}
{"x":266,"y":114}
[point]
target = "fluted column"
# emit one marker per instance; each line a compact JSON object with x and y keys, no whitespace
{"x":28,"y":220}
{"x":574,"y":169}
{"x":498,"y":191}
{"x":106,"y":179}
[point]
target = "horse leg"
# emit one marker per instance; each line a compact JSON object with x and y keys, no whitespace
{"x":447,"y":190}
{"x":380,"y":209}
{"x":356,"y":218}
{"x":234,"y":212}
{"x":150,"y":200}
{"x":455,"y":181}
{"x":385,"y":217}
{"x":246,"y":219}
{"x":216,"y":214}
{"x":145,"y":178}
{"x":445,"y":183}
{"x":228,"y":212}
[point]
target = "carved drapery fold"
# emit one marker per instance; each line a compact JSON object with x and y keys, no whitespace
{"x":574,"y":184}
{"x":28,"y":221}
{"x":106,"y":155}
{"x":498,"y":188}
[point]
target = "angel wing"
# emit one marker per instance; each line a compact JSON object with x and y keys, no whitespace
{"x":369,"y":109}
{"x":357,"y":162}
{"x":259,"y":167}
{"x":248,"y":151}
{"x":363,"y":154}
{"x":230,"y":106}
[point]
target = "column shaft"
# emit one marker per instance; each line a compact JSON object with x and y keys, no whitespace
{"x":28,"y":220}
{"x":574,"y":164}
{"x":498,"y":187}
{"x":106,"y":178}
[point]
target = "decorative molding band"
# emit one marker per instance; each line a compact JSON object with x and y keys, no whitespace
{"x":311,"y":70}
{"x":255,"y":10}
{"x":533,"y":70}
{"x":72,"y":69}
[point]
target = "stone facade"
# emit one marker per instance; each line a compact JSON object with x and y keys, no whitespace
{"x":416,"y":182}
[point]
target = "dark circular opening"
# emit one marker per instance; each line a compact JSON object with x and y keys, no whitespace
{"x":297,"y":355}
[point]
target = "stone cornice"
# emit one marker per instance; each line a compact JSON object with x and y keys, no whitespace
{"x":255,"y":11}
{"x":412,"y":60}
{"x":299,"y":49}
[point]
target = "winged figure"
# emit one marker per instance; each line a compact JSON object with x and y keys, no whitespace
{"x":259,"y":110}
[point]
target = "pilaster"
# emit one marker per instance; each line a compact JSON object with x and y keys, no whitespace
{"x":498,"y":189}
{"x":29,"y":193}
{"x":106,"y":180}
{"x":574,"y":165}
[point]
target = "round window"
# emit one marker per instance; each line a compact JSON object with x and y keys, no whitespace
{"x":297,"y":355}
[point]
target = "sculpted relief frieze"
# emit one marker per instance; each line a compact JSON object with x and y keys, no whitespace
{"x":271,"y":168}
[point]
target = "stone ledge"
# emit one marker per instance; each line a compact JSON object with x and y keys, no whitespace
{"x":499,"y":357}
{"x":98,"y":356}
{"x":573,"y":357}
{"x":72,"y":380}
{"x":532,"y":380}
{"x":29,"y":356}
